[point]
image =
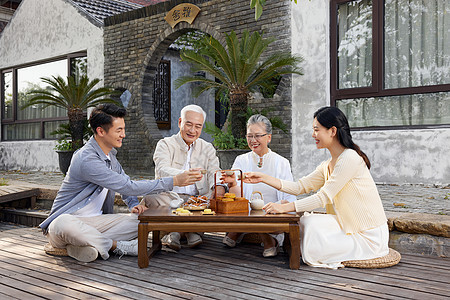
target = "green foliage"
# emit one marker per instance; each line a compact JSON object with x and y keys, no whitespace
{"x":3,"y":181}
{"x":224,"y":140}
{"x":189,"y":40}
{"x":63,"y":133}
{"x":258,"y":6}
{"x":276,"y":121}
{"x":237,"y":69}
{"x":63,"y":145}
{"x":76,"y":94}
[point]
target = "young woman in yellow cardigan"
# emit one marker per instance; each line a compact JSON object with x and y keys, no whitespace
{"x":355,"y":226}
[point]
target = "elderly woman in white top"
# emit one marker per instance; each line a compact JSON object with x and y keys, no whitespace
{"x":261,"y":159}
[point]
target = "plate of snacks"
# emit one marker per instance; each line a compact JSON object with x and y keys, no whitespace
{"x":196,"y":203}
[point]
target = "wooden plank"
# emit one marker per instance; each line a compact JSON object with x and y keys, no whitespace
{"x":426,"y":261}
{"x":176,"y":275}
{"x":224,"y":273}
{"x":100,"y":286}
{"x":75,"y":281}
{"x":267,"y":285}
{"x":40,"y":279}
{"x":11,"y":194}
{"x":96,"y":273}
{"x":301,"y":284}
{"x":30,"y":289}
{"x":11,"y":292}
{"x":387,"y":281}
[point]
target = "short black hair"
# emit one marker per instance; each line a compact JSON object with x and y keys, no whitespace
{"x":104,"y":114}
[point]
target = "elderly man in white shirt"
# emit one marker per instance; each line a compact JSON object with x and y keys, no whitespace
{"x":185,"y":151}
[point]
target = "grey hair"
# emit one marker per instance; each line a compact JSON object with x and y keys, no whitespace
{"x":194,"y":108}
{"x":255,"y":119}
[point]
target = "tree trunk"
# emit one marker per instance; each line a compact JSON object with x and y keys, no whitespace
{"x":238,"y":109}
{"x":76,"y":123}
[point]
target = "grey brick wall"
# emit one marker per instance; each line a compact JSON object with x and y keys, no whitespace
{"x":136,"y":41}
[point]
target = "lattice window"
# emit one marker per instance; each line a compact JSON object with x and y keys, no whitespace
{"x":161,"y":95}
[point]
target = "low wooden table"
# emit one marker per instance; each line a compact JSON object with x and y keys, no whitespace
{"x":162,"y":219}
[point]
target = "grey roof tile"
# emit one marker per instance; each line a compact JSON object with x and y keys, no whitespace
{"x":100,"y":9}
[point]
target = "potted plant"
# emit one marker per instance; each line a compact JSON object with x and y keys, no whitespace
{"x":64,"y":145}
{"x":76,"y":94}
{"x":238,"y":69}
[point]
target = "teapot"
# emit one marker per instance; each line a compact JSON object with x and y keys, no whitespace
{"x":256,"y":201}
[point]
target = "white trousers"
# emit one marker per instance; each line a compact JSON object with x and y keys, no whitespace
{"x":98,"y":232}
{"x":324,"y":244}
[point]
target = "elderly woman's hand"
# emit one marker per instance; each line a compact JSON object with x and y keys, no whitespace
{"x":253,"y":177}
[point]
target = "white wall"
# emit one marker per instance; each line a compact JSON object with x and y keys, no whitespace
{"x":397,"y":156}
{"x":40,"y":30}
{"x":311,"y":91}
{"x":28,"y":156}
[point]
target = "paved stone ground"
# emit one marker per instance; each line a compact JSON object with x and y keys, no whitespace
{"x":400,"y":198}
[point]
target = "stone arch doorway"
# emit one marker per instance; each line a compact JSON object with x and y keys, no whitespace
{"x":149,"y":70}
{"x":135,"y":41}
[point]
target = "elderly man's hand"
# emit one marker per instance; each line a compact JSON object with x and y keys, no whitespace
{"x":187,"y":178}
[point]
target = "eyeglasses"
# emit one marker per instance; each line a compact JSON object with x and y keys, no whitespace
{"x":256,"y":136}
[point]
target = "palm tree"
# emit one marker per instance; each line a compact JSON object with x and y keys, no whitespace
{"x":75,"y":96}
{"x":238,"y":70}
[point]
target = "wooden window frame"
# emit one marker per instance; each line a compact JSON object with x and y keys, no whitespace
{"x":377,"y":88}
{"x":42,"y":121}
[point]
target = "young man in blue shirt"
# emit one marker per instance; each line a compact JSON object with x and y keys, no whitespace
{"x":81,"y":219}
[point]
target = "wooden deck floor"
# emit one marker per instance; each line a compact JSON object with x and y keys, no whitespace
{"x":211,"y":271}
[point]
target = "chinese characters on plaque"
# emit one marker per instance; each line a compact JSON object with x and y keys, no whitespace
{"x":186,"y":12}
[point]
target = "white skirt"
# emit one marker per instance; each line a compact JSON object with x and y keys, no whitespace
{"x":324,"y":244}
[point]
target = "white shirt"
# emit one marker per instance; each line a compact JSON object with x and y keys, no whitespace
{"x":190,"y":189}
{"x":272,"y":164}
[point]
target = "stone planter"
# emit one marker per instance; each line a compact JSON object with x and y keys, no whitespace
{"x":227,"y":157}
{"x":64,"y":160}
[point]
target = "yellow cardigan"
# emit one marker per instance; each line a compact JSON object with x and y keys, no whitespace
{"x":350,"y":190}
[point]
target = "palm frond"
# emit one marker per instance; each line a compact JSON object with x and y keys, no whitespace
{"x":234,"y":54}
{"x":202,"y":64}
{"x":221,"y":56}
{"x":73,"y":94}
{"x":281,"y":66}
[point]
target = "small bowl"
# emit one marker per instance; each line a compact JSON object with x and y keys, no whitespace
{"x":229,"y":173}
